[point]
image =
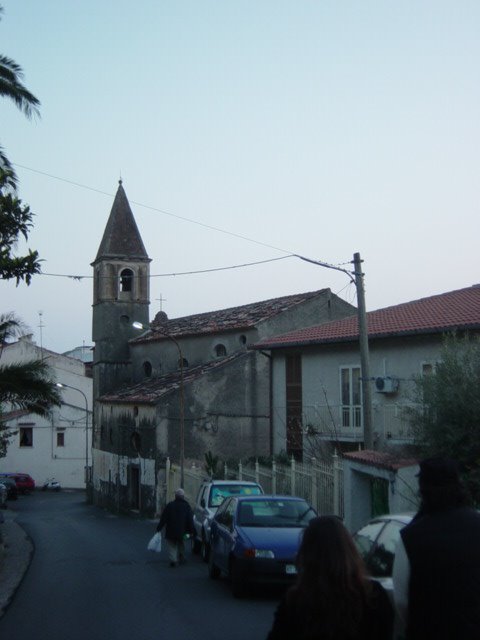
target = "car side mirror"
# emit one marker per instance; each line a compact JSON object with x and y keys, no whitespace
{"x":202,"y":503}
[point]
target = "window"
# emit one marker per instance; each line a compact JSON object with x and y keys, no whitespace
{"x":351,"y":396}
{"x":427,"y":369}
{"x":126,"y":280}
{"x":220,"y":350}
{"x":60,"y":439}
{"x":26,"y":437}
{"x":147,"y":368}
{"x":136,"y":441}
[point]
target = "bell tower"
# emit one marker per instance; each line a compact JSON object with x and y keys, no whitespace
{"x":121,"y":292}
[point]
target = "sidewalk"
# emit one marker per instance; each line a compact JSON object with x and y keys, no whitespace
{"x":15,"y":556}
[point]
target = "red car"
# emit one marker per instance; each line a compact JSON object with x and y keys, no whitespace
{"x":24,"y":482}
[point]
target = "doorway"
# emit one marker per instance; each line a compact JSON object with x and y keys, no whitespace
{"x":134,"y":487}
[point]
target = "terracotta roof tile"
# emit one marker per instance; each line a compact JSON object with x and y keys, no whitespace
{"x":458,"y":309}
{"x":150,"y":390}
{"x":381,"y":459}
{"x":234,"y":318}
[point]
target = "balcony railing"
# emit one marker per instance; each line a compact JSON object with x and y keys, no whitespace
{"x":344,"y":422}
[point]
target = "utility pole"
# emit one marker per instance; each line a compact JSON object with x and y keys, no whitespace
{"x":364,"y":354}
{"x":363,"y":338}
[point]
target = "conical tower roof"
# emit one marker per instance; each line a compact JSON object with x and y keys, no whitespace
{"x":121,"y":238}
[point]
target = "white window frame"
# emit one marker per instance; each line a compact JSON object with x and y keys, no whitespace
{"x":351,"y":414}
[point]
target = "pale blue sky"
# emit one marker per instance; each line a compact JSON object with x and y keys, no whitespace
{"x":319,"y":128}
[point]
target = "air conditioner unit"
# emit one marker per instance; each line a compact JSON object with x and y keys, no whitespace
{"x":386,"y":384}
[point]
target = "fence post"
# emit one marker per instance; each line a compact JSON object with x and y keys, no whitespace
{"x":225,"y":471}
{"x":336,"y":485}
{"x":257,"y":472}
{"x":240,"y":470}
{"x":292,"y":476}
{"x":167,"y":477}
{"x":274,"y":477}
{"x":314,"y":478}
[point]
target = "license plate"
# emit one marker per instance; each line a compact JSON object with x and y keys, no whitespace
{"x":290,"y":569}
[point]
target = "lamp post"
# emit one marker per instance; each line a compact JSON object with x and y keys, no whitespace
{"x":139,"y":325}
{"x":62,"y":385}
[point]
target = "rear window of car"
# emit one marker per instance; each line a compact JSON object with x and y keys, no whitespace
{"x":275,"y":513}
{"x":219,"y":493}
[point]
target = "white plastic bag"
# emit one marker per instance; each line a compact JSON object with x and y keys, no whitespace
{"x":155,"y":543}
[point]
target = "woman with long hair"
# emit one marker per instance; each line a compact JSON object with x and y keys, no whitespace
{"x":333,"y":598}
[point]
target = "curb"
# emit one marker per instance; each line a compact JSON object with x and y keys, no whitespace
{"x":14,"y":559}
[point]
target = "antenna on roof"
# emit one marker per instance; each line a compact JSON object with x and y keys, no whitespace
{"x":41,"y":325}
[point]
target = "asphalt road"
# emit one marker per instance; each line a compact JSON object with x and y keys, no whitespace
{"x":92,"y":578}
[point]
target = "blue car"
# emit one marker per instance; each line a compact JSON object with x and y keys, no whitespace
{"x":256,"y":539}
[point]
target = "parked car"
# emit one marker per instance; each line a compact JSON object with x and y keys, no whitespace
{"x":377,"y":541}
{"x":12,"y":491}
{"x":256,"y":539}
{"x":3,"y":495}
{"x":24,"y":482}
{"x":210,"y":496}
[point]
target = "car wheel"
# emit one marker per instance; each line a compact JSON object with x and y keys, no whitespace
{"x":213,"y":570}
{"x":239,"y":586}
{"x":204,"y":548}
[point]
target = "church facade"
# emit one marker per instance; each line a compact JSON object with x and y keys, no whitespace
{"x":182,"y":387}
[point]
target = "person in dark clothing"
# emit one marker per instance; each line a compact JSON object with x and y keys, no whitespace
{"x":436,"y":572}
{"x":177,"y":518}
{"x":332,"y":599}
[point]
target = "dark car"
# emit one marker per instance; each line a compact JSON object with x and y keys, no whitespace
{"x":256,"y":539}
{"x":24,"y":482}
{"x":10,"y":484}
{"x":210,"y":496}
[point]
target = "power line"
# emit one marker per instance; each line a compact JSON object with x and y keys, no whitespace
{"x":180,"y":273}
{"x":184,"y":219}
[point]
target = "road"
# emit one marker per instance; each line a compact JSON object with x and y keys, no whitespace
{"x":91,"y":578}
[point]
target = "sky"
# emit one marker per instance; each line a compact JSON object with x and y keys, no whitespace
{"x":245,"y":131}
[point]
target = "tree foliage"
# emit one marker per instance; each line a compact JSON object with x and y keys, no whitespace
{"x":12,"y":87}
{"x":446,"y":419}
{"x":15,"y":217}
{"x":15,"y":222}
{"x":28,"y":386}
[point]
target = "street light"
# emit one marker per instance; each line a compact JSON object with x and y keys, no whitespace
{"x":62,"y":385}
{"x":139,"y":325}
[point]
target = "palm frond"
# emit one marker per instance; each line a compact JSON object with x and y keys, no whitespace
{"x":29,"y":386}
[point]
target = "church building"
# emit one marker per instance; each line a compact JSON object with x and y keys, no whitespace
{"x":178,"y":388}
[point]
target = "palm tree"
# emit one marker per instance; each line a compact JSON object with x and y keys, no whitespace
{"x":11,"y":87}
{"x":26,"y":385}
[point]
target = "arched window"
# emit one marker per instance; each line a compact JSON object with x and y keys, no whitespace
{"x":136,"y":441}
{"x":220,"y":350}
{"x":147,"y":369}
{"x":126,"y":280}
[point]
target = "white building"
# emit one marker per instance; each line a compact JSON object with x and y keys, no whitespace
{"x":58,"y":445}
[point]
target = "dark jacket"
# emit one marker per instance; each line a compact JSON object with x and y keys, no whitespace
{"x":443,"y":550}
{"x":177,"y":518}
{"x":376,"y":624}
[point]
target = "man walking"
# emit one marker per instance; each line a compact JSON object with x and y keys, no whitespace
{"x":436,"y":574}
{"x":177,"y":518}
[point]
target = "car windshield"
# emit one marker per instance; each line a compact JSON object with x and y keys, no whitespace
{"x":275,"y":513}
{"x":220,"y":492}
